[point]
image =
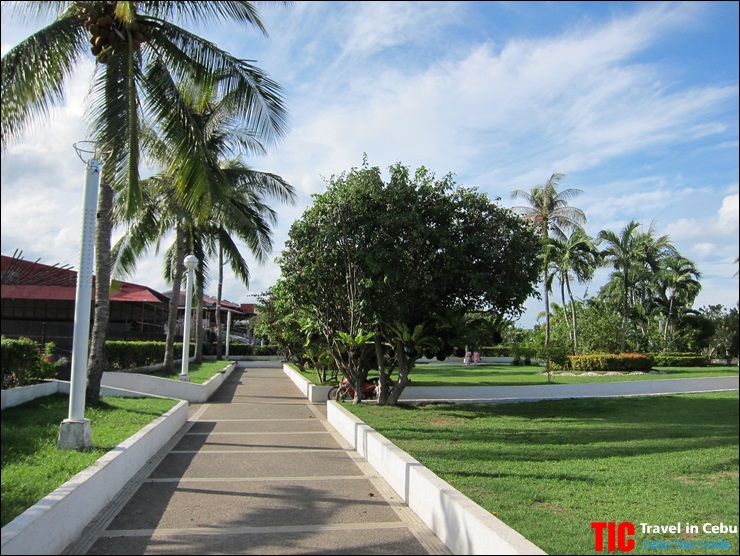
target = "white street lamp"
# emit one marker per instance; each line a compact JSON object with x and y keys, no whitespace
{"x":228,"y":332}
{"x":190,"y":263}
{"x":75,"y":432}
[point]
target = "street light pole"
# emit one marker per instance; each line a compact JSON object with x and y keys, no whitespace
{"x":75,"y":432}
{"x":190,"y":263}
{"x":228,"y":332}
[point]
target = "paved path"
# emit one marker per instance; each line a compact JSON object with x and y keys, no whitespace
{"x":257,"y":470}
{"x":506,"y":394}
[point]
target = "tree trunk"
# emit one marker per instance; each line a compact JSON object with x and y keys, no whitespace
{"x":405,"y":364}
{"x":574,"y":315}
{"x":168,"y":365}
{"x":103,"y":229}
{"x":199,"y":322}
{"x":380,"y":358}
{"x":623,"y":340}
{"x":547,"y":311}
{"x":563,"y":278}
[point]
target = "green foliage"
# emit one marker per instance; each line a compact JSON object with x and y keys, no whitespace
{"x":24,"y":363}
{"x":369,"y":253}
{"x":126,"y":355}
{"x":611,"y":362}
{"x":679,"y":360}
{"x":725,"y":340}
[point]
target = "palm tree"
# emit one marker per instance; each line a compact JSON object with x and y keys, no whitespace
{"x":635,"y":256}
{"x":137,"y":48}
{"x":679,"y":277}
{"x":550,"y":212}
{"x":576,"y":255}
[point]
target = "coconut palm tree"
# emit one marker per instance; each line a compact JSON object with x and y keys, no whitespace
{"x":635,"y":257}
{"x":679,"y":278}
{"x":549,"y":210}
{"x":575,"y":256}
{"x":135,"y":44}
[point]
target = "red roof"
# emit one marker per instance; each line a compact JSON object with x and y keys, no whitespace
{"x":25,"y":280}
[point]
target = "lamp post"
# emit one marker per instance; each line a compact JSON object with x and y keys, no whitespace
{"x":75,"y":432}
{"x":228,"y":332}
{"x":190,"y":263}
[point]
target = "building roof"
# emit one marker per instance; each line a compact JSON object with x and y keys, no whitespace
{"x":25,"y":280}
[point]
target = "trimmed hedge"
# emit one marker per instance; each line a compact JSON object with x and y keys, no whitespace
{"x":680,"y":360}
{"x":611,"y":362}
{"x":24,"y":362}
{"x":126,"y":355}
{"x":495,"y":351}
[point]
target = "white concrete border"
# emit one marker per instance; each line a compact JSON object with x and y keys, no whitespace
{"x":12,"y":397}
{"x":56,"y":520}
{"x":167,"y":387}
{"x":315,"y":393}
{"x":464,"y":526}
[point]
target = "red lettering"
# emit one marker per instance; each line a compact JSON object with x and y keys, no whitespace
{"x":598,"y":527}
{"x":624,"y":530}
{"x":616,"y":535}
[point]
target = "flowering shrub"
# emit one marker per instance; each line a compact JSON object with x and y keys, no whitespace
{"x":611,"y":362}
{"x":24,"y":363}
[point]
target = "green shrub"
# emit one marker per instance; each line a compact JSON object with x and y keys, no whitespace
{"x":127,"y":355}
{"x":23,"y":362}
{"x":611,"y":362}
{"x":495,"y":351}
{"x":680,"y":360}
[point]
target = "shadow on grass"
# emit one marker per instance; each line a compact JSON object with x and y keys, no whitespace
{"x":563,"y":430}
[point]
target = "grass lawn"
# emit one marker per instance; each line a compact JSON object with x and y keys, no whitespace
{"x":549,"y":469}
{"x":503,"y":375}
{"x":33,"y":467}
{"x":510,"y":375}
{"x":199,"y":373}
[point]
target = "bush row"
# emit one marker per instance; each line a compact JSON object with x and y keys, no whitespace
{"x":24,"y":362}
{"x":126,"y":355}
{"x":611,"y":362}
{"x":680,"y":360}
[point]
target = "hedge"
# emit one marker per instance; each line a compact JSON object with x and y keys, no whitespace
{"x":680,"y":360}
{"x":126,"y":355}
{"x":611,"y":362}
{"x":23,"y":362}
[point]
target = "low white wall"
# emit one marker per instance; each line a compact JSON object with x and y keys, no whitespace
{"x":56,"y":520}
{"x":464,"y":526}
{"x":167,"y":387}
{"x":315,"y":393}
{"x":22,"y":394}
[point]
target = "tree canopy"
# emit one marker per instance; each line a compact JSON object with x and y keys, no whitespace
{"x":388,"y":257}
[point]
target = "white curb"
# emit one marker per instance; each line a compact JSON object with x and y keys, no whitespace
{"x":464,"y":526}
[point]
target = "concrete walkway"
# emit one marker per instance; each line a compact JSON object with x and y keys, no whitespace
{"x":257,"y":470}
{"x":508,"y":394}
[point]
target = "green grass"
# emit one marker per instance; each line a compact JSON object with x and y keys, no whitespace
{"x":510,"y":375}
{"x":493,"y":375}
{"x":199,"y":373}
{"x":32,"y":465}
{"x":549,"y":469}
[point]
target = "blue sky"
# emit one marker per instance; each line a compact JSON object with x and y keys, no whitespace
{"x":635,"y":102}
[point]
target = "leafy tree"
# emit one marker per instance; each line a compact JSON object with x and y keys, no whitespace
{"x":388,"y":257}
{"x":726,"y":338}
